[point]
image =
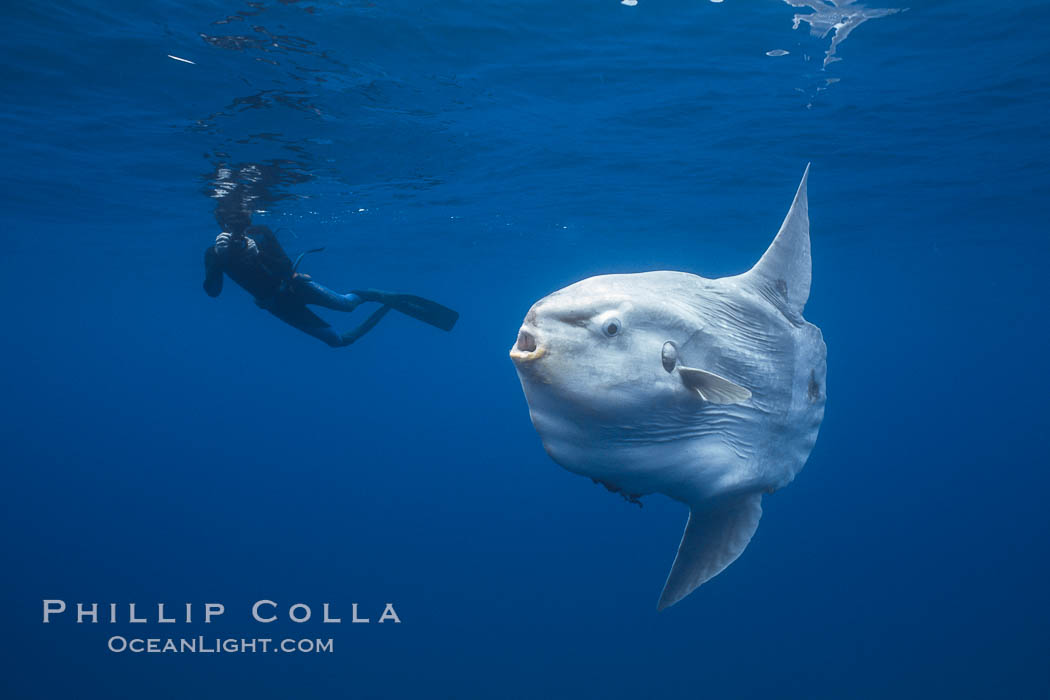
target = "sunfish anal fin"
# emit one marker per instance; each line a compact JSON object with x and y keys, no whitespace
{"x":713,"y":388}
{"x":712,"y":541}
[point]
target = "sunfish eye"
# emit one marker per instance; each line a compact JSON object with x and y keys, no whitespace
{"x":611,"y":327}
{"x":669,"y":356}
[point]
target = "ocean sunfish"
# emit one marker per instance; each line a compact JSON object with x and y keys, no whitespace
{"x":710,"y":391}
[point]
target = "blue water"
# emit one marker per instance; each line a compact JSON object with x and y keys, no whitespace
{"x":162,"y":446}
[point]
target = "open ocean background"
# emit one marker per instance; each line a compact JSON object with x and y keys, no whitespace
{"x":161,"y":446}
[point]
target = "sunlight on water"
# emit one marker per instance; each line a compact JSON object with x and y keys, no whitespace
{"x":835,"y":17}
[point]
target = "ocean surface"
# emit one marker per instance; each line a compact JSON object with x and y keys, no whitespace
{"x":160,"y":446}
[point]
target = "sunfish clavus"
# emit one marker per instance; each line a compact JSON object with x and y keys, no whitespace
{"x":710,"y":391}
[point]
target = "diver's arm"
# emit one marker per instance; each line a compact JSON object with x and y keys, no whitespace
{"x":212,"y":272}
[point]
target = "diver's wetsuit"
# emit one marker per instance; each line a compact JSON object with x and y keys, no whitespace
{"x":256,"y":262}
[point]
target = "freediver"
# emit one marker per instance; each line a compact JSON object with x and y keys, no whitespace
{"x":253,"y":258}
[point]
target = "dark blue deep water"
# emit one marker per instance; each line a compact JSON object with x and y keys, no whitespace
{"x":162,"y":446}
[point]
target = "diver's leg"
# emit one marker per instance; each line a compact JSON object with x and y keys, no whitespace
{"x":370,"y":323}
{"x":375,"y":295}
{"x":291,"y":310}
{"x":324,"y":333}
{"x":310,"y":292}
{"x":327,"y":335}
{"x":333,"y":339}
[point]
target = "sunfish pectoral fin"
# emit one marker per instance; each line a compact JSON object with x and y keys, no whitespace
{"x":712,"y":541}
{"x":713,"y":388}
{"x":784,"y":272}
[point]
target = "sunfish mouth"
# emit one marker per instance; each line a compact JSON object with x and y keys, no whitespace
{"x":526,"y":349}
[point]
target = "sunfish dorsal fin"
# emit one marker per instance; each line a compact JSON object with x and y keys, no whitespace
{"x":712,"y":541}
{"x":784,"y":272}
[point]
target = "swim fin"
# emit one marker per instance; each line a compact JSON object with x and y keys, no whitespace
{"x":418,"y":308}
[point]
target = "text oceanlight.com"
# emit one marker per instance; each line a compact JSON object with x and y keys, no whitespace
{"x":202,"y":645}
